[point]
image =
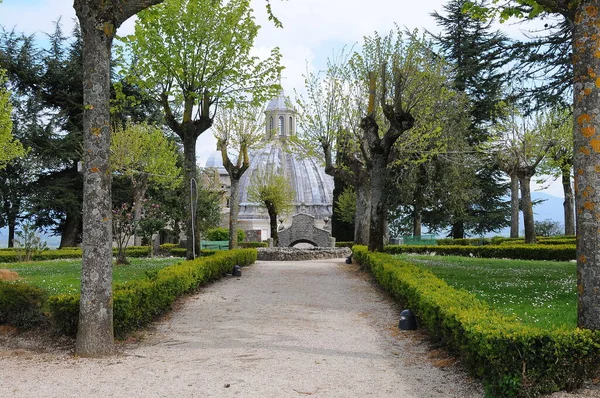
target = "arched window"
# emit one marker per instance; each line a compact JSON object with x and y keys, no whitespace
{"x":291,"y":126}
{"x":281,"y":126}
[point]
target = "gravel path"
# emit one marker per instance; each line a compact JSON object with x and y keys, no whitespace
{"x":284,"y":329}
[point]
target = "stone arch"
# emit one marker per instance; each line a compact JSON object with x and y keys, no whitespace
{"x":303,"y":229}
{"x":310,"y":242}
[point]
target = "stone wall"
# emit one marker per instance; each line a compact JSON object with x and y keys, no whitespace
{"x":303,"y":230}
{"x":293,"y":254}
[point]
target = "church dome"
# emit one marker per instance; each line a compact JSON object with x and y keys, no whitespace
{"x":279,"y":103}
{"x":314,"y":188}
{"x":215,"y":161}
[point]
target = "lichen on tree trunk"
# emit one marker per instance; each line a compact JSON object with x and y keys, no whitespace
{"x":586,"y":160}
{"x":95,"y":328}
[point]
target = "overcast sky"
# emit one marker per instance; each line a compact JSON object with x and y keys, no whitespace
{"x":313,"y":30}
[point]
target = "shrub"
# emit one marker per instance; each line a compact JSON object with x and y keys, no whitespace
{"x":513,"y":360}
{"x":464,"y":242}
{"x":344,"y":244}
{"x":138,"y":302}
{"x":221,"y":234}
{"x":516,"y":251}
{"x":21,"y":304}
{"x":28,"y":243}
{"x":165,"y":248}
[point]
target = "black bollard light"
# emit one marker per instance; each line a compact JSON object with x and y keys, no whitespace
{"x":349,"y":259}
{"x":237,"y":271}
{"x":407,"y":320}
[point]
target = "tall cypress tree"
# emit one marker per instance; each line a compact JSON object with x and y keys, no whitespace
{"x":478,"y":55}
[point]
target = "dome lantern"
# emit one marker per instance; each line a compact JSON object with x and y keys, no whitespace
{"x":280,"y":119}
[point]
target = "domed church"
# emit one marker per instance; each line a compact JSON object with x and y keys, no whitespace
{"x":314,"y":188}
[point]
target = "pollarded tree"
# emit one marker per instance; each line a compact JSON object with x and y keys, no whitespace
{"x":9,"y":147}
{"x":330,"y":125}
{"x":400,"y":77}
{"x":273,"y":192}
{"x":519,"y":150}
{"x":142,"y":154}
{"x":239,"y":126}
{"x":559,"y":161}
{"x":192,"y":54}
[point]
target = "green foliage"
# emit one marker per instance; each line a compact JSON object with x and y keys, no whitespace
{"x":548,"y":228}
{"x":346,"y":205}
{"x":513,"y":360}
{"x":563,"y":252}
{"x":344,"y":244}
{"x":21,"y":304}
{"x":143,"y":154}
{"x":28,"y":243}
{"x":271,"y":191}
{"x":165,"y":248}
{"x":9,"y":147}
{"x":222,"y":234}
{"x":138,"y":302}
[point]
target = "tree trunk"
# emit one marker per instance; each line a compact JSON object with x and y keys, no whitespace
{"x":234,"y":210}
{"x":378,"y":171}
{"x":189,"y":166}
{"x":13,"y":208}
{"x":458,"y":230}
{"x":417,"y":222}
{"x":525,"y":182}
{"x":95,"y":329}
{"x":70,"y":230}
{"x":587,"y":158}
{"x":568,"y":203}
{"x":139,"y":192}
{"x":363,"y":209}
{"x":514,"y":206}
{"x":273,"y":224}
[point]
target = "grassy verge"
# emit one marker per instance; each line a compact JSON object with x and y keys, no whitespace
{"x":64,"y":276}
{"x":538,"y":293}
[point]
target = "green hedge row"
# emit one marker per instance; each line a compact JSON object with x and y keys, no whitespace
{"x":513,"y":360}
{"x":137,"y":303}
{"x":498,"y":240}
{"x":21,"y":304}
{"x":520,"y":252}
{"x":344,"y":244}
{"x":12,"y":257}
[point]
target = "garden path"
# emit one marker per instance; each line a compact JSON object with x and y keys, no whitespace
{"x":284,"y":329}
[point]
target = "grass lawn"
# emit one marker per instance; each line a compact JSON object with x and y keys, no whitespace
{"x":539,"y":293}
{"x":63,"y":276}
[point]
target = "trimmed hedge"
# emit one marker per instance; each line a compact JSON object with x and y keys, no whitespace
{"x":137,"y":303}
{"x":520,"y":252}
{"x":11,"y":256}
{"x":21,"y":304}
{"x":344,"y":244}
{"x":498,"y":240}
{"x":513,"y":360}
